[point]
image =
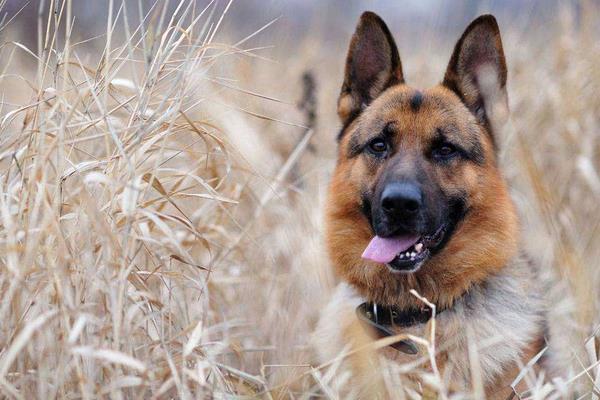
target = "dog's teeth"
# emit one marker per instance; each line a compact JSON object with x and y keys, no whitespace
{"x":413,"y":254}
{"x":419,"y":247}
{"x":401,"y":255}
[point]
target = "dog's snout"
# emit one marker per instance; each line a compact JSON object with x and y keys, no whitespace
{"x":402,"y":200}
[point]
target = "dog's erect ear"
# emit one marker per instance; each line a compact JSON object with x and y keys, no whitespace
{"x":373,"y":64}
{"x":477,"y":71}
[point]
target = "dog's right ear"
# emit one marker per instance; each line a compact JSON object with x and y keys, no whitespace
{"x":372,"y":65}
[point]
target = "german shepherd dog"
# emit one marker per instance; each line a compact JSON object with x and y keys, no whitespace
{"x":418,"y":205}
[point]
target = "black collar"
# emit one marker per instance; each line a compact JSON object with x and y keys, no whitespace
{"x":380,"y":320}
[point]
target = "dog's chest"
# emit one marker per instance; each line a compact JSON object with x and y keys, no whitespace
{"x":491,"y":325}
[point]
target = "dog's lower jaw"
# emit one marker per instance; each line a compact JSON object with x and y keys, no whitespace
{"x":414,"y":268}
{"x":505,"y":310}
{"x":410,"y":270}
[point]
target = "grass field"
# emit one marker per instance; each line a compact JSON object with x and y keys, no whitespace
{"x":161,"y":188}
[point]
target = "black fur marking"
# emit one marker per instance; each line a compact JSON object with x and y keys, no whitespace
{"x":389,"y":130}
{"x":458,"y":210}
{"x":354,"y":147}
{"x":365,"y":208}
{"x":474,"y":152}
{"x":416,"y":101}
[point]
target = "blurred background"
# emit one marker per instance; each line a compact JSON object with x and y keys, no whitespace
{"x":164,"y":167}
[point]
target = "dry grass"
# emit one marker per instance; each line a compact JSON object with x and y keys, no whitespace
{"x":160,"y":219}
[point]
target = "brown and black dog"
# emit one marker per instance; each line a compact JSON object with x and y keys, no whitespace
{"x":418,"y":202}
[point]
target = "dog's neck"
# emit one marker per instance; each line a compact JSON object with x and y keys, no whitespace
{"x":408,"y":300}
{"x":443,"y":290}
{"x":503,"y":314}
{"x":489,"y":295}
{"x":504,"y":310}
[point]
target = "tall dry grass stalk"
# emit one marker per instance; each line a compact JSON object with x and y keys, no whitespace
{"x":160,"y":222}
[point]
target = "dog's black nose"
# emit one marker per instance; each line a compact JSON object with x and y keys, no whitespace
{"x":401,"y":199}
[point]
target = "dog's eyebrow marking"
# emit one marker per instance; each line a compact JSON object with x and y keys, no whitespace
{"x":471,"y":148}
{"x":354,"y":146}
{"x":416,"y":100}
{"x":389,"y":130}
{"x":356,"y":143}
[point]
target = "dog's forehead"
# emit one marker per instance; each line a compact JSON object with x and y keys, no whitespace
{"x":417,"y":110}
{"x":404,"y":104}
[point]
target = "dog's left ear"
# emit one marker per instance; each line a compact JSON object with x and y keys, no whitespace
{"x":477,"y":72}
{"x":372,"y":65}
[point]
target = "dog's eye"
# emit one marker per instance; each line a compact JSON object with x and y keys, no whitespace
{"x":444,"y":151}
{"x":378,"y":146}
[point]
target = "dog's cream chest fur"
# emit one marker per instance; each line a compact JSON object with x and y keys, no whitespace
{"x":499,"y":318}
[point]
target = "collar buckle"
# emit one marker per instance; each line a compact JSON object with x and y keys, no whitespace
{"x":380,"y":320}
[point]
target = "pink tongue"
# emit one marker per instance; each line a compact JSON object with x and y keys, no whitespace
{"x":384,"y":250}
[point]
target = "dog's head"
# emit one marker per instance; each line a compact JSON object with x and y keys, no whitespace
{"x":417,"y":200}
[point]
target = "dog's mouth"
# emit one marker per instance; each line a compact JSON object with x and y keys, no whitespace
{"x":405,"y":253}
